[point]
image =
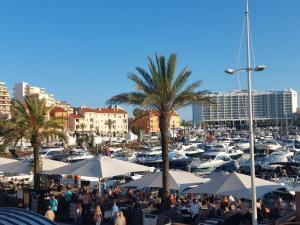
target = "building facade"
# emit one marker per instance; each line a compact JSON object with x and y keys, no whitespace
{"x":233,"y":106}
{"x":5,"y":103}
{"x":24,"y":89}
{"x":150,"y":122}
{"x":94,"y":120}
{"x":58,"y":112}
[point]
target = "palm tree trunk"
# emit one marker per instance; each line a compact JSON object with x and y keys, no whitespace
{"x":36,"y":144}
{"x":163,"y":125}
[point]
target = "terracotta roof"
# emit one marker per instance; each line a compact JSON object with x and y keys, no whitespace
{"x":88,"y":110}
{"x":104,"y":110}
{"x":57,"y":109}
{"x":110,"y":110}
{"x":75,"y":116}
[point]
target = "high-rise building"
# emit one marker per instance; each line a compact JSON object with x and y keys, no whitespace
{"x":233,"y":106}
{"x":5,"y":103}
{"x":24,"y":89}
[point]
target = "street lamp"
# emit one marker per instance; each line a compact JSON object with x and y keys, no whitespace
{"x":255,"y":69}
{"x":250,"y":111}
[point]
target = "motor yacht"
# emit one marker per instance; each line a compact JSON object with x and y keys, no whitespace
{"x":205,"y":167}
{"x":270,"y":144}
{"x":242,"y":144}
{"x":77,"y":155}
{"x":192,"y":152}
{"x":277,"y":157}
{"x":232,"y":151}
{"x":125,"y":155}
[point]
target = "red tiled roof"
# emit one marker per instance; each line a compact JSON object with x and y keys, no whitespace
{"x":104,"y":110}
{"x":110,"y":110}
{"x":88,"y":110}
{"x":75,"y":116}
{"x":57,"y":109}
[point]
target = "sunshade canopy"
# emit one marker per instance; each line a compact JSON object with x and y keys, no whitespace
{"x":25,"y":166}
{"x":102,"y":167}
{"x":179,"y":180}
{"x":235,"y":184}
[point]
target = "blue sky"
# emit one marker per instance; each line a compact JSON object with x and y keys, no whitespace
{"x":82,"y":51}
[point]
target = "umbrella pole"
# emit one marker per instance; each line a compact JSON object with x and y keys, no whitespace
{"x":298,"y":206}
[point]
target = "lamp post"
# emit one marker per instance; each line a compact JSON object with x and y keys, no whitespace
{"x":250,"y":112}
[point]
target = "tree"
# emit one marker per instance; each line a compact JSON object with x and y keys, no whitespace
{"x":109,"y":123}
{"x":137,"y":131}
{"x":32,"y":123}
{"x":161,"y":91}
{"x":82,"y":127}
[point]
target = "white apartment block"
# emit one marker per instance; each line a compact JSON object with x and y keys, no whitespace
{"x":5,"y":104}
{"x":24,"y":89}
{"x":233,"y":106}
{"x":94,"y":120}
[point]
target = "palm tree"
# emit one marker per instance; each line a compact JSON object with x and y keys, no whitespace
{"x":161,"y":91}
{"x":109,"y":123}
{"x":32,"y":123}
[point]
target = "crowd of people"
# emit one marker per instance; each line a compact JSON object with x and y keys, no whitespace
{"x":111,"y":205}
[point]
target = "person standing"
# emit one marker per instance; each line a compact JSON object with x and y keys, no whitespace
{"x":114,"y":210}
{"x":107,"y":151}
{"x":53,"y":203}
{"x":78,"y":217}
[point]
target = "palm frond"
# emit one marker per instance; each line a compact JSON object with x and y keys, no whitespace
{"x":133,"y":98}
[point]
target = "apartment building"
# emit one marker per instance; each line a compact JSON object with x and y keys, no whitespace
{"x":58,"y":112}
{"x":150,"y":122}
{"x":5,"y":103}
{"x":24,"y":89}
{"x":88,"y":119}
{"x":233,"y":106}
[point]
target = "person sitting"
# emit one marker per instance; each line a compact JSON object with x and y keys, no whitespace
{"x":194,"y":208}
{"x":185,"y":209}
{"x":50,"y":214}
{"x":120,"y":220}
{"x":98,"y":215}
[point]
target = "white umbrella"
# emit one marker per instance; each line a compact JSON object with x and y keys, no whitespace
{"x":101,"y":167}
{"x":6,"y":160}
{"x":179,"y":180}
{"x":236,"y":184}
{"x":25,"y":166}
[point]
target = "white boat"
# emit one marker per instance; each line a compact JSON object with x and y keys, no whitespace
{"x":129,"y":156}
{"x":242,"y":144}
{"x":270,"y":144}
{"x":206,"y":167}
{"x":78,"y":155}
{"x":48,"y":153}
{"x":277,"y":157}
{"x":232,"y":151}
{"x":192,"y":151}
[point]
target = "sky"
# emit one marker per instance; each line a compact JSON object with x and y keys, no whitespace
{"x":83,"y":51}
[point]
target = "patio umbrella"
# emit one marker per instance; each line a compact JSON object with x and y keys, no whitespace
{"x":295,"y":187}
{"x":236,"y":184}
{"x":6,"y":160}
{"x":25,"y":166}
{"x":101,"y":167}
{"x":179,"y":180}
